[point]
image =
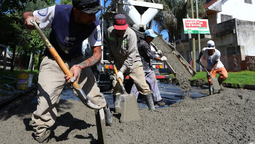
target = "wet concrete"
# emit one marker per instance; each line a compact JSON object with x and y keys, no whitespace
{"x":183,"y":71}
{"x":170,"y":93}
{"x":227,"y":117}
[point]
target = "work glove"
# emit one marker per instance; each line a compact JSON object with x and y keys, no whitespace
{"x":120,"y":75}
{"x":159,"y":52}
{"x":163,"y":58}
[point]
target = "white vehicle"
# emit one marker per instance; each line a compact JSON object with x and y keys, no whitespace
{"x":139,"y":14}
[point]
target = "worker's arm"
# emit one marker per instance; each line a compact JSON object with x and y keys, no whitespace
{"x":200,"y":55}
{"x":215,"y":61}
{"x":95,"y":42}
{"x":214,"y":66}
{"x":27,"y":16}
{"x":44,"y":16}
{"x":93,"y":60}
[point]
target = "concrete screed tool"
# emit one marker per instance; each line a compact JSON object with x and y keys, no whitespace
{"x":126,"y":104}
{"x":215,"y":82}
{"x":99,"y":112}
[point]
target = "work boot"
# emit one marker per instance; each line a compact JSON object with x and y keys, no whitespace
{"x":108,"y":116}
{"x":211,"y":90}
{"x":149,"y":101}
{"x":116,"y":99}
{"x":220,"y":83}
{"x":44,"y":135}
{"x":160,"y":103}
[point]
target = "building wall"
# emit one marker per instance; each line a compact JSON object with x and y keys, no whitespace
{"x":246,"y":36}
{"x":233,"y":44}
{"x":237,"y":9}
{"x":212,"y":20}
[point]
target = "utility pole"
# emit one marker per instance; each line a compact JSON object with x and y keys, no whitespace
{"x":189,"y":35}
{"x":198,"y":35}
{"x":193,"y":40}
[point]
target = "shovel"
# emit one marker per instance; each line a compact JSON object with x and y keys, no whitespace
{"x":215,"y":82}
{"x":82,"y":96}
{"x":127,"y":106}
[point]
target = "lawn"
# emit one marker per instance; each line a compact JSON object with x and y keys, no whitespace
{"x":241,"y":78}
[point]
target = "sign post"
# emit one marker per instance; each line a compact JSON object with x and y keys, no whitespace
{"x":195,"y":26}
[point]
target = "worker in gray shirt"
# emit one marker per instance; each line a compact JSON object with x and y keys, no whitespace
{"x":122,"y":43}
{"x":146,"y":55}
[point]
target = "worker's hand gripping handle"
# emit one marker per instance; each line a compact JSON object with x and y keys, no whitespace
{"x":120,"y":81}
{"x":116,"y":72}
{"x":199,"y":62}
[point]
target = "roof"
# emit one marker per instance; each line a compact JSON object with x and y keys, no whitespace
{"x":207,"y":5}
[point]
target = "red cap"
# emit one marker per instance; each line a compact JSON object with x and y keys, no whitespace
{"x":120,"y":22}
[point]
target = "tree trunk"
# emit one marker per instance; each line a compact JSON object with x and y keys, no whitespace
{"x":40,"y":59}
{"x":13,"y":58}
{"x":30,"y":65}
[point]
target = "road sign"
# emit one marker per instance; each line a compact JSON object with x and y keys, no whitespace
{"x":196,"y":26}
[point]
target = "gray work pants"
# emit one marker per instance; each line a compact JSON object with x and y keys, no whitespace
{"x":152,"y":82}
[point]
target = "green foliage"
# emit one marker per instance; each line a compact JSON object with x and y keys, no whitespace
{"x":11,"y":27}
{"x":12,"y":6}
{"x":13,"y":32}
{"x":68,"y":2}
{"x":170,"y":18}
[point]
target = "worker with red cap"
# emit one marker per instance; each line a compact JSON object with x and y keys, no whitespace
{"x":122,"y":44}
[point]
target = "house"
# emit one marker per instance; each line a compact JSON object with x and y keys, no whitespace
{"x":232,"y":27}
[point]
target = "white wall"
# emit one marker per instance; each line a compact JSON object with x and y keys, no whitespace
{"x":246,"y":35}
{"x":238,"y":9}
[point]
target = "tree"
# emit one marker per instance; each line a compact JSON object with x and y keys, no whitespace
{"x":11,"y":25}
{"x":33,"y":43}
{"x":68,"y":2}
{"x":170,"y":18}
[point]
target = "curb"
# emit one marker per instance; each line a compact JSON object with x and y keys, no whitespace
{"x":229,"y":85}
{"x":200,"y":82}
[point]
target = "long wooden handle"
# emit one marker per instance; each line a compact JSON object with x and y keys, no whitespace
{"x":54,"y":53}
{"x":116,"y":72}
{"x":205,"y":69}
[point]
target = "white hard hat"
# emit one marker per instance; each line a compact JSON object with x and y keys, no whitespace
{"x":210,"y":44}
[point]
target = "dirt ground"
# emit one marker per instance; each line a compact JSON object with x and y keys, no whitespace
{"x":227,"y":118}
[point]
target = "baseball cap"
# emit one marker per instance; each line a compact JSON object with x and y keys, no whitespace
{"x":210,"y":44}
{"x":120,"y":22}
{"x":87,"y":6}
{"x":150,"y":32}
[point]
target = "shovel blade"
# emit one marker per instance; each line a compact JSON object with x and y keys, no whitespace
{"x":82,"y":96}
{"x":216,"y":85}
{"x":129,"y":108}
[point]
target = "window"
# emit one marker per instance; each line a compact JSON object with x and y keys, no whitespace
{"x":248,"y":1}
{"x":225,"y":17}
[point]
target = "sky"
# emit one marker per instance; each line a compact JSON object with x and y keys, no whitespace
{"x":164,"y":33}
